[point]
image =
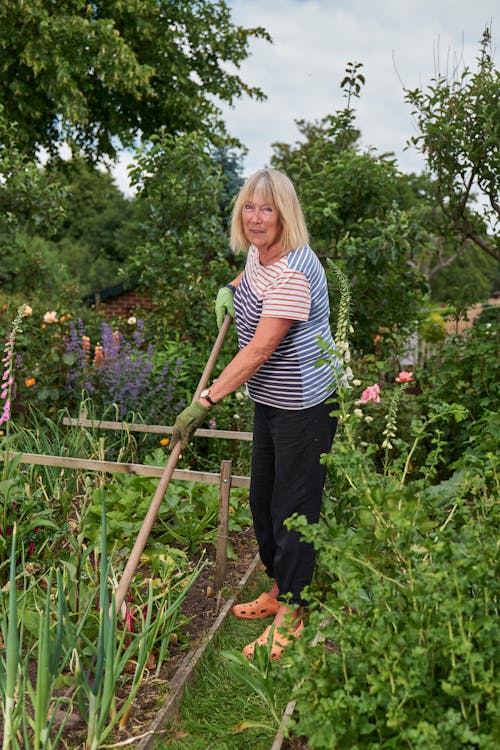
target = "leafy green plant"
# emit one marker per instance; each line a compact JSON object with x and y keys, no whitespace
{"x":406,"y":596}
{"x":188,"y":515}
{"x":410,"y":615}
{"x":56,"y":634}
{"x":466,"y":372}
{"x":258,"y":675}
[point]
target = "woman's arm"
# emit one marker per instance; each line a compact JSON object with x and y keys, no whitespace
{"x":268,"y":334}
{"x":236,"y":281}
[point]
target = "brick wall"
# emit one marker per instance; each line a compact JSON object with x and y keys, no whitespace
{"x":125,"y":304}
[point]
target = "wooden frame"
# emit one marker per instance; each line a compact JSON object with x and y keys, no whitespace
{"x":225,"y":479}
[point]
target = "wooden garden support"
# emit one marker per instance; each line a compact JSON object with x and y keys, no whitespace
{"x":222,"y":528}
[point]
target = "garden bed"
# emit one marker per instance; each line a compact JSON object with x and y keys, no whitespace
{"x":205,"y":611}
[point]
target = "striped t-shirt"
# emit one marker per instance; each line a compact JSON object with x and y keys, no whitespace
{"x":294,"y":287}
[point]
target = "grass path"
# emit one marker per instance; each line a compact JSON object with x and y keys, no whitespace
{"x":217,"y":702}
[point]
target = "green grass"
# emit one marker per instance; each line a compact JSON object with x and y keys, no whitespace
{"x":216,"y":703}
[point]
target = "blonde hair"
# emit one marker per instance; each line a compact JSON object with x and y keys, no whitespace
{"x":276,"y":188}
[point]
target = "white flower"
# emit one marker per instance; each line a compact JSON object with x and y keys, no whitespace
{"x":358,"y":412}
{"x":387,"y":444}
{"x":132,"y":320}
{"x":356,"y":381}
{"x":347,"y":375}
{"x":368,"y":419}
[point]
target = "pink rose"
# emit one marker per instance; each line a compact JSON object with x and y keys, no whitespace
{"x":50,"y":317}
{"x":372,"y":393}
{"x":404,"y":377}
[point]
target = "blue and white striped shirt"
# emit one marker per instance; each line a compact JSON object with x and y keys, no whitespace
{"x":294,"y":287}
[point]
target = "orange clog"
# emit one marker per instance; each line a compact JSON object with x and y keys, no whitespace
{"x":263,"y":606}
{"x":280,"y":640}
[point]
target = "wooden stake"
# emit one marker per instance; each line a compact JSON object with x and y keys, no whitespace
{"x":222,"y":530}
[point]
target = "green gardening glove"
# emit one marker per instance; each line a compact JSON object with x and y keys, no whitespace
{"x":188,"y":422}
{"x":224,"y":304}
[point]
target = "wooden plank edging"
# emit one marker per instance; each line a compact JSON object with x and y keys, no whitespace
{"x":185,"y":671}
{"x":115,"y":467}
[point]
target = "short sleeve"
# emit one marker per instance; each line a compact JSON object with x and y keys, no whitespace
{"x":289,"y":296}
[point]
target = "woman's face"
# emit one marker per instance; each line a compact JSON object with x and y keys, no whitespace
{"x":261,"y":223}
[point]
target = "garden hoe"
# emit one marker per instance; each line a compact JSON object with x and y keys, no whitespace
{"x":150,"y":518}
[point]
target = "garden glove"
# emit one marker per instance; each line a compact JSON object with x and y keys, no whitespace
{"x":188,"y":422}
{"x":224,"y":304}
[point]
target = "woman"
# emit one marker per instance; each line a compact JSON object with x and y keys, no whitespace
{"x":281,"y":307}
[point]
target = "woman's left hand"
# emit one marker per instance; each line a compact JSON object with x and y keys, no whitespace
{"x":188,"y":422}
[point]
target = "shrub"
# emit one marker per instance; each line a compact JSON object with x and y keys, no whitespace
{"x":122,"y":371}
{"x":410,"y":622}
{"x":406,"y":594}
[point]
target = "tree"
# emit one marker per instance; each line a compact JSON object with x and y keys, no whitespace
{"x":101,"y":74}
{"x":351,"y":204}
{"x":457,"y":270}
{"x":180,"y":189}
{"x":100,"y":227}
{"x":458,"y":117}
{"x":28,"y":207}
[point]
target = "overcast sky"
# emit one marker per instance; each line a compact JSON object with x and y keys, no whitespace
{"x":401,"y":44}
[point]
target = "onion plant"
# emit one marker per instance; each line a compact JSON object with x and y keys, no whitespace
{"x":9,"y":666}
{"x":45,"y":635}
{"x":52,"y":659}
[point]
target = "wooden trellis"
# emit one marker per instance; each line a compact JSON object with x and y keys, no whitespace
{"x":224,"y":478}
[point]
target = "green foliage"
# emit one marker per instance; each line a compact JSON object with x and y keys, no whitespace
{"x":40,"y":362}
{"x":187,"y":517}
{"x":459,"y":125}
{"x":30,"y":212}
{"x":470,"y":279}
{"x":179,"y":183}
{"x":381,"y":253}
{"x":467,"y":372}
{"x":413,"y":622}
{"x":406,"y":595}
{"x":258,"y":675}
{"x":100,"y":227}
{"x":26,"y":200}
{"x":55,"y":637}
{"x":23,"y":507}
{"x":94,"y":74}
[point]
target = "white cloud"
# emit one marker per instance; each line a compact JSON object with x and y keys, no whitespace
{"x":313,"y":41}
{"x":400,"y":43}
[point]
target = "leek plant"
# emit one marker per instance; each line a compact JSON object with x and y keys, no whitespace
{"x":118,"y":647}
{"x":57,"y":640}
{"x":52,"y":659}
{"x":9,"y":665}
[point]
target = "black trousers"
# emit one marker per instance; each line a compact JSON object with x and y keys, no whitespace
{"x":287,"y":477}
